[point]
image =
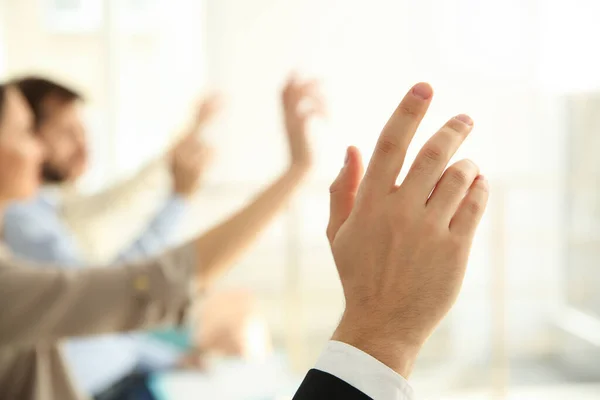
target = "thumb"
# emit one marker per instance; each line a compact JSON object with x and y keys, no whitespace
{"x":343,"y":191}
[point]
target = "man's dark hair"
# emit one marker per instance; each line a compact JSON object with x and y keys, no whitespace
{"x":37,"y":91}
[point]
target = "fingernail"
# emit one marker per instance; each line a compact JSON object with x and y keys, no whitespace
{"x":347,"y":158}
{"x":422,"y":90}
{"x":464,"y":118}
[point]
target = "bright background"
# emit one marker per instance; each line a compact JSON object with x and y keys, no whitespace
{"x":527,"y":324}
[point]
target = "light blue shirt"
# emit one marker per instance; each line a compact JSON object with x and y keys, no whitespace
{"x":35,"y":232}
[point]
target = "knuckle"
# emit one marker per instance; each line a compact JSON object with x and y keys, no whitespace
{"x":433,"y":153}
{"x":335,"y":186}
{"x":474,"y":207}
{"x":458,"y":176}
{"x":456,"y":127}
{"x":408,"y":111}
{"x":386,"y":145}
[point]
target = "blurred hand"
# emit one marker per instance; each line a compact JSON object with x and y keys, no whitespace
{"x":401,"y":251}
{"x":228,"y":326}
{"x":193,"y":360}
{"x":188,"y":163}
{"x":190,"y":155}
{"x":301,"y":102}
{"x":207,"y":110}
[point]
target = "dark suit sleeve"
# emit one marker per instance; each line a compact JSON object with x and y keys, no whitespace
{"x":319,"y":385}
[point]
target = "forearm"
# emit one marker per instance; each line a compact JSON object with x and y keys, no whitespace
{"x":122,"y":194}
{"x":50,"y":304}
{"x":221,"y":245}
{"x":159,"y":234}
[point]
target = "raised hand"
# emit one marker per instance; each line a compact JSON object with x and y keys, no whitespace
{"x":207,"y":110}
{"x":301,"y":102}
{"x":188,"y":163}
{"x":401,"y":251}
{"x":190,"y":156}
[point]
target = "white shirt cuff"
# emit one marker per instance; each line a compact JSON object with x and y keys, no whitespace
{"x":364,"y":372}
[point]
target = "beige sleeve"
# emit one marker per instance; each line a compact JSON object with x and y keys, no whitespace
{"x":116,"y":215}
{"x":47,"y":304}
{"x":122,"y":194}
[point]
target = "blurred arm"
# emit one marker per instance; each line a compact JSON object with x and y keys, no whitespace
{"x":221,"y":245}
{"x":188,"y":163}
{"x":38,"y":235}
{"x":185,"y":162}
{"x":48,"y":304}
{"x":183,"y":152}
{"x":160,"y":232}
{"x":102,"y":205}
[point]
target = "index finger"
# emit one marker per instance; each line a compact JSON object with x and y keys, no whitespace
{"x":390,"y":151}
{"x":208,"y":108}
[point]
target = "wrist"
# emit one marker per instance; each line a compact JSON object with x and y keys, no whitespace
{"x":182,"y":194}
{"x":299,"y":168}
{"x":389,"y":346}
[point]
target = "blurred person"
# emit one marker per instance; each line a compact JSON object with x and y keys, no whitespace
{"x":400,"y":251}
{"x":35,"y":231}
{"x":58,"y":304}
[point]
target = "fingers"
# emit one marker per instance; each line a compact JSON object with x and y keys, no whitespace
{"x":206,"y":112}
{"x":471,"y":209}
{"x":343,"y":191}
{"x":393,"y":142}
{"x":208,"y":109}
{"x":313,"y":103}
{"x":303,"y":97}
{"x":434,"y":156}
{"x":451,"y":189}
{"x":294,"y":89}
